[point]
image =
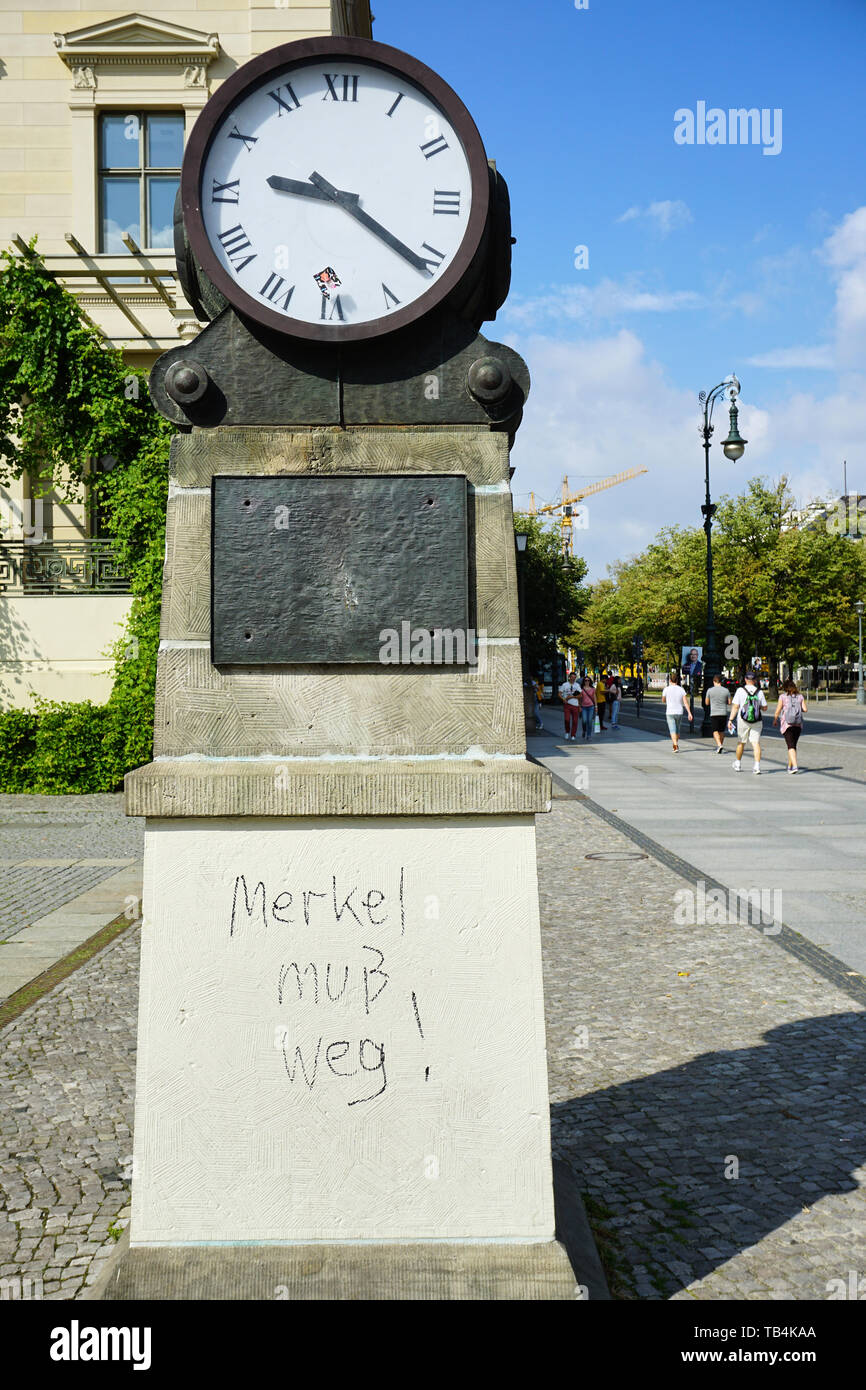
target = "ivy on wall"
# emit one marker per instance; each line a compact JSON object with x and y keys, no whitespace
{"x":76,"y":418}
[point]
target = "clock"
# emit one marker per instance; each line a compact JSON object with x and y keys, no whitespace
{"x":336,"y":190}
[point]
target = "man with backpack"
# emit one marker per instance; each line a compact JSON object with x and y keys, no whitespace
{"x":747,"y":708}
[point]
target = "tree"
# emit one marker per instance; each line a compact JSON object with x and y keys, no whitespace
{"x":784,"y":595}
{"x":68,"y":401}
{"x":67,"y":398}
{"x":553,"y":594}
{"x":659,"y":595}
{"x":745,"y":541}
{"x":815,"y":581}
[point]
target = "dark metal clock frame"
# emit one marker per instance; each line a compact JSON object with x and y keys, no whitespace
{"x":282,"y":59}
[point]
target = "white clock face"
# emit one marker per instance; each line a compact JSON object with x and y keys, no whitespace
{"x":335,"y":193}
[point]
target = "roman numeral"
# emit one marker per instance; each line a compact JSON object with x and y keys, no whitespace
{"x":235,"y":242}
{"x":272,"y":290}
{"x":226,"y":192}
{"x":439,"y":256}
{"x":332,"y":90}
{"x":389,"y":295}
{"x":396,"y":103}
{"x":434,"y":147}
{"x":282,"y":105}
{"x":249,"y":140}
{"x":336,"y":308}
{"x":446,"y":201}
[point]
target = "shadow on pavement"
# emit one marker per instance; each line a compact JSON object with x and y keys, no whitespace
{"x":786,"y":1117}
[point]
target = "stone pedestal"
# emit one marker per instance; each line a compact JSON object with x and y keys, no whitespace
{"x":341,"y":1037}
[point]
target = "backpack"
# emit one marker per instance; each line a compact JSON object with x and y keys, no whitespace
{"x":751,"y":710}
{"x":793,"y":709}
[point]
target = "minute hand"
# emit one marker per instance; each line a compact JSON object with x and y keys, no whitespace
{"x":371,"y":224}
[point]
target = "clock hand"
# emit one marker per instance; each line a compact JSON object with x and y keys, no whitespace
{"x":349,"y":203}
{"x":306,"y":190}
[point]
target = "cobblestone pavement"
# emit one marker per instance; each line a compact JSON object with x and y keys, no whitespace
{"x":67,"y":1077}
{"x":707,"y":1087}
{"x":49,"y":848}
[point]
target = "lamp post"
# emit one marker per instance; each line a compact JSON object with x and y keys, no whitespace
{"x":520,"y":539}
{"x":733,"y":448}
{"x":861,"y":693}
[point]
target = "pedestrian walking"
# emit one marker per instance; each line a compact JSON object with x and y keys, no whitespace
{"x":717,"y":700}
{"x":532,"y":686}
{"x":600,"y":700}
{"x":790,"y":710}
{"x":747,"y":707}
{"x":569,"y":693}
{"x":614,"y":698}
{"x":676,"y":700}
{"x":587,"y":707}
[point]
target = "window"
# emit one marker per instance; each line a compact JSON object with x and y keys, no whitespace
{"x":139,"y":171}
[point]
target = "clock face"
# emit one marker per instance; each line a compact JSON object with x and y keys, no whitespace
{"x":338,"y":190}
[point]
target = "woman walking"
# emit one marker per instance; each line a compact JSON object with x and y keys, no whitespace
{"x":676,"y":700}
{"x":717,"y":700}
{"x":587,"y":707}
{"x":790,"y":709}
{"x":570,"y":692}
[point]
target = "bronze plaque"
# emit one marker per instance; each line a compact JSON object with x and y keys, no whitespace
{"x":326,"y":569}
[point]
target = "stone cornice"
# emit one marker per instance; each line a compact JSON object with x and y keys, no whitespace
{"x":136,"y":40}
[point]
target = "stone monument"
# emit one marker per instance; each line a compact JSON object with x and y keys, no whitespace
{"x":342,"y":1087}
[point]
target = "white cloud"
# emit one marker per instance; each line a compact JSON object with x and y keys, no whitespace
{"x":600,"y":406}
{"x":597,"y":408}
{"x":666,"y":215}
{"x":815,"y":358}
{"x":845,"y":251}
{"x":608,"y":300}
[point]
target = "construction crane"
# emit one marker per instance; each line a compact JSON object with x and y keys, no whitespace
{"x":566,"y":503}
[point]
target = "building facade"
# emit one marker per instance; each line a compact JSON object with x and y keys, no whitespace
{"x":95,"y":107}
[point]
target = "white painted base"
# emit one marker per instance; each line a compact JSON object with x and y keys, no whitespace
{"x":400,"y":1094}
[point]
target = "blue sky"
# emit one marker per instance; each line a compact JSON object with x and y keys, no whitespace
{"x":703,"y":258}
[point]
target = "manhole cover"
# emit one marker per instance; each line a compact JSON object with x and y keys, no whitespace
{"x":613,"y":856}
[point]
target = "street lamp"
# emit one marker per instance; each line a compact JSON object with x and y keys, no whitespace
{"x":520,"y":539}
{"x":733,"y":448}
{"x":861,"y":693}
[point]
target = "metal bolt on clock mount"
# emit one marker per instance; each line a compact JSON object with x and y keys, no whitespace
{"x":186,"y":381}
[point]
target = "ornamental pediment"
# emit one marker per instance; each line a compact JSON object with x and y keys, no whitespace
{"x":135,"y":38}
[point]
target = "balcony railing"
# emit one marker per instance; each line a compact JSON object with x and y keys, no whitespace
{"x":60,"y":567}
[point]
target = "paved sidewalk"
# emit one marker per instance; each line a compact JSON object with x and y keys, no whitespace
{"x":69,"y":865}
{"x":708,"y":1090}
{"x":707,"y":1086}
{"x":800,"y":839}
{"x":66,"y":1094}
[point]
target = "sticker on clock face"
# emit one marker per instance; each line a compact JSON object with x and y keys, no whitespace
{"x":327,"y":279}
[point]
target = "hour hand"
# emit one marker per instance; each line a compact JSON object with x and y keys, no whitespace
{"x":309,"y":190}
